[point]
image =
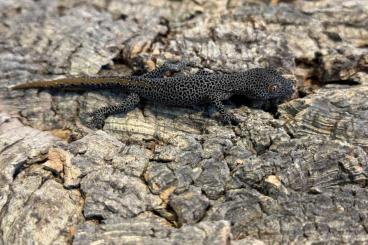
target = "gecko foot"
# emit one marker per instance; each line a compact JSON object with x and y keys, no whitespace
{"x":229,"y":119}
{"x":97,"y":120}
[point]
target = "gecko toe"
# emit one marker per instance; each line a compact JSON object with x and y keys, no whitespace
{"x":235,"y":121}
{"x":230,"y":119}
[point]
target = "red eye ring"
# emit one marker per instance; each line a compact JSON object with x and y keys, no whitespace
{"x":273,"y":88}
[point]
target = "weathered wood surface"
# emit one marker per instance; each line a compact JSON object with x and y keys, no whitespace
{"x":163,"y":175}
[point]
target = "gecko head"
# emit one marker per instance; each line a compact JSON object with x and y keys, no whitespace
{"x":266,"y":84}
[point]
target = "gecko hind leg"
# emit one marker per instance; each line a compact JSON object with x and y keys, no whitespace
{"x":161,"y":71}
{"x":98,"y":116}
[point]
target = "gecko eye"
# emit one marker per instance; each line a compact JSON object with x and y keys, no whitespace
{"x":273,"y":88}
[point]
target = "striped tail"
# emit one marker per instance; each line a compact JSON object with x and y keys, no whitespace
{"x":84,"y":82}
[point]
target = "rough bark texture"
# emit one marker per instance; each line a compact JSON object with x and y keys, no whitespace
{"x":167,"y":175}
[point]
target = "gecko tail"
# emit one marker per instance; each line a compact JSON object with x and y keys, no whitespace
{"x":74,"y":82}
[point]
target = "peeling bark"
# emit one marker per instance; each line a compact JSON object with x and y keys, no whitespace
{"x":173,"y":175}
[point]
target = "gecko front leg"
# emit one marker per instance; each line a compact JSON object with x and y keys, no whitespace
{"x":167,"y":67}
{"x":98,"y":116}
{"x":226,"y":116}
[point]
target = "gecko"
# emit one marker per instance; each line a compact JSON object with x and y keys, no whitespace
{"x":203,"y":87}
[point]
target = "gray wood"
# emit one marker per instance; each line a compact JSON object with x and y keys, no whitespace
{"x":173,"y":175}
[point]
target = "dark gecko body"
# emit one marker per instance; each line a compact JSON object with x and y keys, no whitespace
{"x":257,"y":84}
